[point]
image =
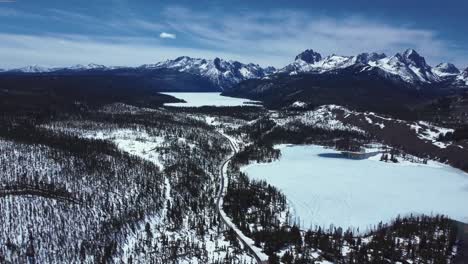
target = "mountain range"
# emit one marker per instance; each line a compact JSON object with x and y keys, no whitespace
{"x":408,"y":69}
{"x":219,"y":73}
{"x":367,"y":81}
{"x":395,"y":84}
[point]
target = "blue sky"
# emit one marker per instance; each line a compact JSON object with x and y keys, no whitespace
{"x":124,"y":32}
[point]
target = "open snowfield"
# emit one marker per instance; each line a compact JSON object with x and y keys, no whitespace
{"x":326,"y":189}
{"x":208,"y":99}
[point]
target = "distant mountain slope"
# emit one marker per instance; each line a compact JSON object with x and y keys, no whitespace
{"x":407,"y":69}
{"x":222,"y":73}
{"x":351,"y":87}
{"x":218,"y":73}
{"x":368,"y":81}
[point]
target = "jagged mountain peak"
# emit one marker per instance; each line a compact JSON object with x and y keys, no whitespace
{"x":223,"y":73}
{"x":408,"y":66}
{"x":447,"y":68}
{"x":365,"y":58}
{"x":309,"y":56}
{"x":410,"y":52}
{"x":413,"y":58}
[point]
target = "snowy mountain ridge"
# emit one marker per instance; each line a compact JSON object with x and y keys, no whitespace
{"x":224,"y":73}
{"x":31,"y":69}
{"x":76,"y":67}
{"x":409,"y":66}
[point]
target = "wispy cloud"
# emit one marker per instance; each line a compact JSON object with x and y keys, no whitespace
{"x":62,"y":50}
{"x":166,"y":35}
{"x":288,"y":32}
{"x":267,"y":38}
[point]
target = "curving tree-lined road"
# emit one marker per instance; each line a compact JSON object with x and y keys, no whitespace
{"x":248,"y":243}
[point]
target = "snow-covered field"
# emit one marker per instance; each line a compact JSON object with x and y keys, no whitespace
{"x":208,"y":99}
{"x":325,"y":189}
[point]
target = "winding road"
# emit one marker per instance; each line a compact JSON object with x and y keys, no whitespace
{"x":248,"y":243}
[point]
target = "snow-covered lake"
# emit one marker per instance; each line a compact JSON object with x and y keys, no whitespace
{"x":208,"y":99}
{"x":360,"y":193}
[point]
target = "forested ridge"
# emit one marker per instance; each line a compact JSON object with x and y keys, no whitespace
{"x":76,"y":189}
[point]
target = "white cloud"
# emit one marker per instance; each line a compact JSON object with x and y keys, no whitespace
{"x":288,"y":32}
{"x":167,"y":35}
{"x":64,"y":50}
{"x":268,"y":38}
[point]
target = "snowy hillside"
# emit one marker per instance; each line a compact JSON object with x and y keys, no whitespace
{"x":338,"y":118}
{"x":324,"y":117}
{"x":123,"y":191}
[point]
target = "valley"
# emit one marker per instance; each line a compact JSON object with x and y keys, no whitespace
{"x":154,"y":164}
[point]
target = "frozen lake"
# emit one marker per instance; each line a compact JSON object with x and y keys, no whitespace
{"x":207,"y":99}
{"x":360,"y":193}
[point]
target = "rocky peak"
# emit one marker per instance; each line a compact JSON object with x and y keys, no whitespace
{"x":217,"y":64}
{"x":365,"y":58}
{"x":411,"y":57}
{"x":465,"y":73}
{"x":309,"y":56}
{"x":448,"y":68}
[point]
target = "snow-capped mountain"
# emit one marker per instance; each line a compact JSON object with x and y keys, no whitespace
{"x":309,"y":56}
{"x":217,"y":72}
{"x":42,"y":69}
{"x":221,"y":72}
{"x":408,"y":67}
{"x":311,"y":61}
{"x":445,"y":69}
{"x":91,"y":66}
{"x":31,"y":69}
